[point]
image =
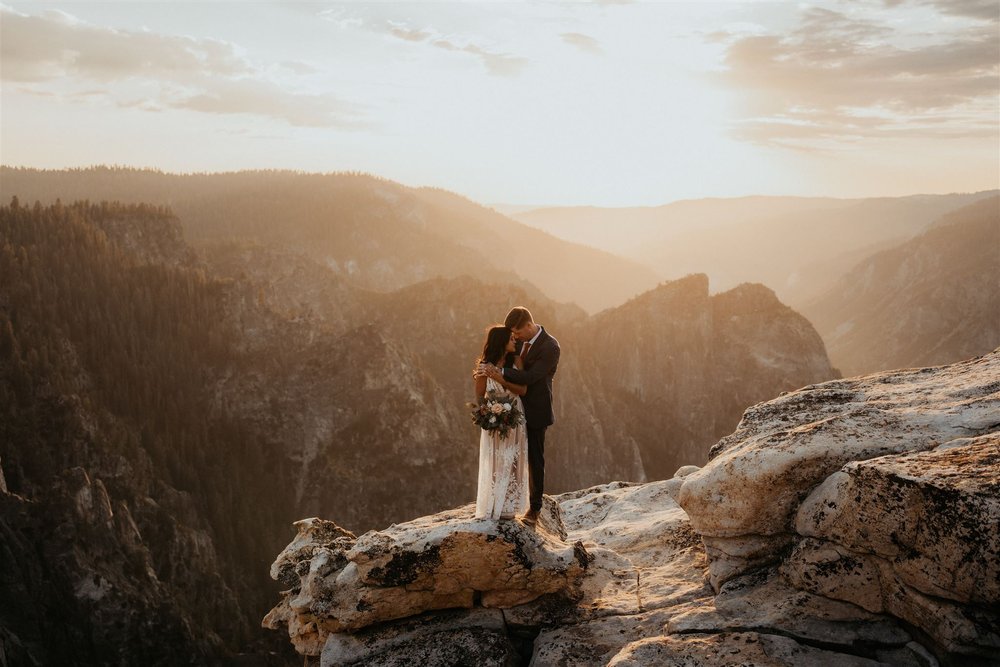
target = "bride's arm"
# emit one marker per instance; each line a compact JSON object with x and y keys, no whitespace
{"x":481,"y":386}
{"x":495,"y":373}
{"x":517,"y":389}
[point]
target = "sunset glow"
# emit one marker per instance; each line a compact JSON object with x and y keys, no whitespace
{"x":604,"y":103}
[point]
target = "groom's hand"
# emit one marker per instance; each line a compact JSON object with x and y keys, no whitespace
{"x":494,"y":372}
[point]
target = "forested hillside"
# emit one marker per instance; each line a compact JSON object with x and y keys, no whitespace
{"x":118,"y":462}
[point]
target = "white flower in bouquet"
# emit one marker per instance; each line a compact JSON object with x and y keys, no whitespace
{"x":496,"y":412}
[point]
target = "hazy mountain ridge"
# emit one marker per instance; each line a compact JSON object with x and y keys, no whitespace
{"x":626,"y":231}
{"x":745,"y":340}
{"x":375,"y":233}
{"x":592,"y":278}
{"x":932,"y":300}
{"x":796,"y":246}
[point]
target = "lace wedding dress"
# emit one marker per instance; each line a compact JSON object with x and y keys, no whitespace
{"x":503,"y":470}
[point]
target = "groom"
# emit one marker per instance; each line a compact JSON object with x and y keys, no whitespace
{"x":540,"y":353}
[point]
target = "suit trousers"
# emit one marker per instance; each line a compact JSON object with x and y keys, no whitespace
{"x":536,"y":466}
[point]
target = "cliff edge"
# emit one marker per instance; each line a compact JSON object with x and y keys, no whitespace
{"x":854,"y":522}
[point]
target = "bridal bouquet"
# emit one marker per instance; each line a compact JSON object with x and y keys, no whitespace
{"x":497,"y":411}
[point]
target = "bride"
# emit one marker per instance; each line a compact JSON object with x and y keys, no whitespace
{"x":503,"y":462}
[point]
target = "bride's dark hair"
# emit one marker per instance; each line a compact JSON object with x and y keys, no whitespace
{"x":495,"y":347}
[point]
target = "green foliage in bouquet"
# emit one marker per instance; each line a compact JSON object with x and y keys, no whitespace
{"x":497,"y":411}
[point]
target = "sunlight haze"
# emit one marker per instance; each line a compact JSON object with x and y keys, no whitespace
{"x":612,"y":104}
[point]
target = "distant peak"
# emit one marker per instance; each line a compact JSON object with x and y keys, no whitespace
{"x":693,"y":283}
{"x":749,"y":296}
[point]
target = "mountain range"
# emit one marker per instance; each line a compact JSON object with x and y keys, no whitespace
{"x":181,"y":379}
{"x":797,"y":246}
{"x":371,"y":232}
{"x":171,"y":408}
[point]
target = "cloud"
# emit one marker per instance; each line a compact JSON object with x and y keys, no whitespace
{"x":298,"y":67}
{"x":979,"y":9}
{"x":264,"y":99}
{"x":496,"y":63}
{"x":840,"y":78}
{"x":500,"y":64}
{"x":54,"y":51}
{"x":585,"y":43}
{"x":410,"y":35}
{"x":55,"y":45}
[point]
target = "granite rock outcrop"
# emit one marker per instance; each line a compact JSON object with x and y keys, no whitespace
{"x":342,"y":584}
{"x":849,"y":523}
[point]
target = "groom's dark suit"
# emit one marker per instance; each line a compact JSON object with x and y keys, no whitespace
{"x":539,"y":368}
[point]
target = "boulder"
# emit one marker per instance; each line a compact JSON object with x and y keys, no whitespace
{"x":881,"y":491}
{"x":752,"y":487}
{"x":932,"y":516}
{"x":916,"y":536}
{"x":442,"y":561}
{"x":765,"y":600}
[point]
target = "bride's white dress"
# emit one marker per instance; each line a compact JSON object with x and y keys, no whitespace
{"x":503,"y":470}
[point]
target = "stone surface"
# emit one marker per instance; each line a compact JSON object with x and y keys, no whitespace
{"x":880,"y":559}
{"x":442,"y":561}
{"x":932,"y":515}
{"x":597,"y":641}
{"x":869,"y":582}
{"x":913,"y":535}
{"x":766,"y":600}
{"x":644,"y":582}
{"x":783,"y":449}
{"x":475,"y":637}
{"x":731,"y":648}
{"x":883,"y":491}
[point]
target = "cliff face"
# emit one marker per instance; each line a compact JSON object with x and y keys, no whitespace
{"x":683,"y":364}
{"x":855,"y":522}
{"x":636,"y":392}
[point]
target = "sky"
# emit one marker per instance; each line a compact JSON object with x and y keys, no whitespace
{"x":609,"y":103}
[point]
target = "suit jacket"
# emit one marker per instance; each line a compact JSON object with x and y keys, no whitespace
{"x":539,"y":369}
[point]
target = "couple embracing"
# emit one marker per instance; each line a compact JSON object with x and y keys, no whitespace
{"x":520,"y":359}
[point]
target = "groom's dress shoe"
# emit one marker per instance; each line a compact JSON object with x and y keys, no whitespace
{"x":530,"y":518}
